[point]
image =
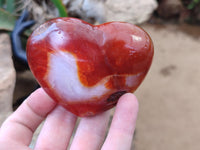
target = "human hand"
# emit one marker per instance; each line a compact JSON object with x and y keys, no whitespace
{"x":17,"y":131}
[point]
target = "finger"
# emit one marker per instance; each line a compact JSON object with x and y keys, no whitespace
{"x":57,"y":130}
{"x":23,"y":122}
{"x":123,"y":124}
{"x":91,"y":132}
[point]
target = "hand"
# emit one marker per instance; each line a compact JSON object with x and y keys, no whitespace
{"x":17,"y":131}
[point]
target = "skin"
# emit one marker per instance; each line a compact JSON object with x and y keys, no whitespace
{"x":17,"y":130}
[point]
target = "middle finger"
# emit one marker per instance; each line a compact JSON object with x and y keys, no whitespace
{"x":91,"y":132}
{"x":57,"y":130}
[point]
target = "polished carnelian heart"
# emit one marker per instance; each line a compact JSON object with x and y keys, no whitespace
{"x":86,"y":68}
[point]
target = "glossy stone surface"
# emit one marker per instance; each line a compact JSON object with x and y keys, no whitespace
{"x":86,"y":68}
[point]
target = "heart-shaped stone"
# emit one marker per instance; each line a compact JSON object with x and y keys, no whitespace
{"x":86,"y":68}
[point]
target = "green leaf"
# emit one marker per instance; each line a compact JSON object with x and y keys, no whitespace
{"x":196,"y":1}
{"x":61,"y":8}
{"x":193,"y":4}
{"x":27,"y":32}
{"x":190,"y":6}
{"x":2,"y":2}
{"x":7,"y":20}
{"x":10,"y":6}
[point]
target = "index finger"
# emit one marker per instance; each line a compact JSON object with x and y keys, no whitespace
{"x":20,"y":126}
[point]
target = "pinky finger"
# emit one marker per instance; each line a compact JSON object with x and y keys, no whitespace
{"x":123,"y":124}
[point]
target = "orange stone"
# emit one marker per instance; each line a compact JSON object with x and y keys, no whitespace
{"x":86,"y":68}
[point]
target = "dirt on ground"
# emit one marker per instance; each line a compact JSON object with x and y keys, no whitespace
{"x":169,"y":97}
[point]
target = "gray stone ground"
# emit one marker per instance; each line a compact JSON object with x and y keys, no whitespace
{"x":169,"y":97}
{"x":7,"y":77}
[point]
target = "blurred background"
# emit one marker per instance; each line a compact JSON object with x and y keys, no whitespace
{"x":169,"y":97}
